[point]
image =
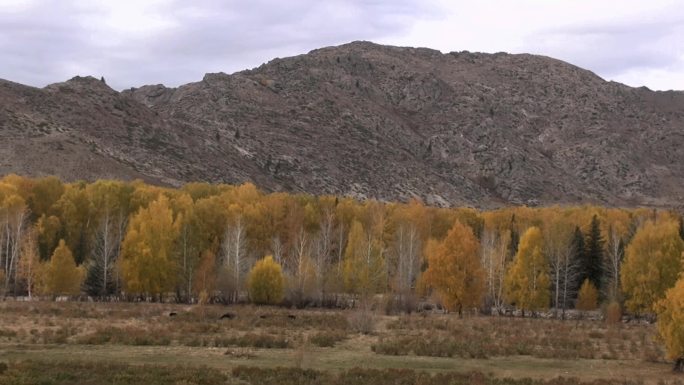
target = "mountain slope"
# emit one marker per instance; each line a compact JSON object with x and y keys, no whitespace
{"x":370,"y":121}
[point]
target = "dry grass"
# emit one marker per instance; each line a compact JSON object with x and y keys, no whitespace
{"x":138,"y":333}
{"x":153,"y":324}
{"x":482,"y":337}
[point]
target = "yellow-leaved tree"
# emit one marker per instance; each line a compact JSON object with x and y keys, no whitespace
{"x":30,"y":267}
{"x":454,"y":270}
{"x":265,"y":283}
{"x":527,"y":280}
{"x":364,"y":265}
{"x":652,"y":263}
{"x":204,"y":282}
{"x":671,"y":323}
{"x":587,"y":299}
{"x":147,"y":262}
{"x":62,"y":276}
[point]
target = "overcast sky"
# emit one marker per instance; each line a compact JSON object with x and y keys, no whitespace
{"x":136,"y":42}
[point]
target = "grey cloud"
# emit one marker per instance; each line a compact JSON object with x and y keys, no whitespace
{"x":38,"y":44}
{"x":45,"y":43}
{"x":614,"y":48}
{"x":54,"y":40}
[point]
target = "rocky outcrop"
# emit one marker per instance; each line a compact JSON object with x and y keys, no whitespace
{"x":369,"y":121}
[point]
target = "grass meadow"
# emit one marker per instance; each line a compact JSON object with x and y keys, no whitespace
{"x":152,"y":343}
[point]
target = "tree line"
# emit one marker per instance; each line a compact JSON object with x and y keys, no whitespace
{"x":200,"y":242}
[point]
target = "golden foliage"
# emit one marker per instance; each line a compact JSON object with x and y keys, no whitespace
{"x":147,"y":264}
{"x":587,"y":298}
{"x":671,"y":320}
{"x":652,"y":263}
{"x":364,"y":265}
{"x":613,"y":314}
{"x":62,"y":276}
{"x":266,"y":283}
{"x":527,"y":281}
{"x":205,"y":275}
{"x":29,"y":268}
{"x":454,"y":270}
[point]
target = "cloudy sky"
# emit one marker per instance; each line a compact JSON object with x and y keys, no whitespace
{"x":136,"y":42}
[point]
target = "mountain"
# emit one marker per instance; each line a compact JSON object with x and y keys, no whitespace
{"x":366,"y":120}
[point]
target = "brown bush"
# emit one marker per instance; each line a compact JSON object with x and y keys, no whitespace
{"x":613,"y":314}
{"x":362,"y":321}
{"x":298,"y":376}
{"x":327,"y":339}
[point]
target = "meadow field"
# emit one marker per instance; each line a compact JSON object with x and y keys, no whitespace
{"x":45,"y":342}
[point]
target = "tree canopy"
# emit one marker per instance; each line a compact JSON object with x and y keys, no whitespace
{"x":652,"y":264}
{"x":454,"y":270}
{"x":265,"y":282}
{"x":527,"y":281}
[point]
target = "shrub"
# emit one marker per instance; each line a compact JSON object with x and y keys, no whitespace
{"x":291,"y":376}
{"x":362,"y":321}
{"x":265,"y":341}
{"x":126,"y":336}
{"x":327,"y":339}
{"x":587,"y":299}
{"x":613,"y":314}
{"x":266,"y":283}
{"x":74,"y":372}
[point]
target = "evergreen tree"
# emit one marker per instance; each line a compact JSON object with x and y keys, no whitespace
{"x":515,"y":238}
{"x":681,"y":227}
{"x":593,"y":254}
{"x":578,"y":248}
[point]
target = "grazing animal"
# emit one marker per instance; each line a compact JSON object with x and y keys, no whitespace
{"x":291,"y":316}
{"x":228,"y":315}
{"x":173,"y":314}
{"x":263,"y":316}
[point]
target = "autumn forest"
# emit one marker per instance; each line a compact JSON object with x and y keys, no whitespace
{"x":202,"y":243}
{"x":112,"y":238}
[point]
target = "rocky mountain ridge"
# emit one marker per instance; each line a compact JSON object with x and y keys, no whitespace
{"x":367,"y":120}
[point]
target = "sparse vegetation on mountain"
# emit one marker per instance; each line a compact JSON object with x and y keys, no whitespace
{"x":367,"y":121}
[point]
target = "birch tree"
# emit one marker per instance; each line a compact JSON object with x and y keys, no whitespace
{"x":406,"y":252}
{"x":364,"y":266}
{"x":147,"y":263}
{"x":653,"y":261}
{"x":455,"y":271}
{"x":559,"y":247}
{"x":671,"y":324}
{"x":29,"y":269}
{"x":16,"y":215}
{"x":109,"y":213}
{"x":494,"y":251}
{"x":615,"y":252}
{"x":101,"y":280}
{"x":235,"y":262}
{"x":321,"y":251}
{"x":300,"y":269}
{"x":527,"y":281}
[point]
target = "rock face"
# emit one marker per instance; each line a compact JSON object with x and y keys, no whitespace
{"x":369,"y":121}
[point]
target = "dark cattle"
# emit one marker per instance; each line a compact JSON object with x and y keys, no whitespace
{"x":263,"y":316}
{"x":173,"y":314}
{"x":291,"y":316}
{"x":228,"y":315}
